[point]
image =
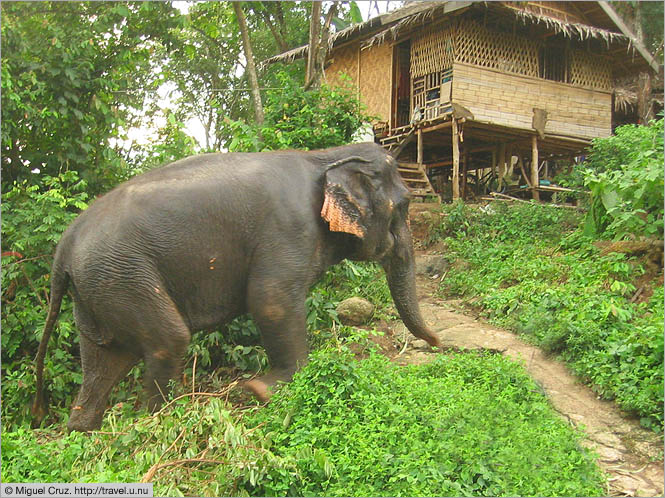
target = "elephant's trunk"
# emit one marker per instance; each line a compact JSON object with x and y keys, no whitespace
{"x":401,"y":274}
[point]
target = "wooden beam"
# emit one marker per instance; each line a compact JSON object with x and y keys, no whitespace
{"x":502,"y":164}
{"x":579,"y":12}
{"x":535,"y":182}
{"x":437,"y":164}
{"x":441,"y":126}
{"x":455,"y":178}
{"x":626,"y":31}
{"x":520,"y":163}
{"x":401,"y":146}
{"x":420,"y":147}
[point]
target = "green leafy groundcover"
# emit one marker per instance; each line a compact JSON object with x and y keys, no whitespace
{"x":467,"y":424}
{"x":529,"y":268}
{"x":464,"y":425}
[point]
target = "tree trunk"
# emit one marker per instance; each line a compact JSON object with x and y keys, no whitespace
{"x":278,"y":34}
{"x":644,"y":102}
{"x":318,"y":45}
{"x":251,"y":67}
{"x":314,"y":39}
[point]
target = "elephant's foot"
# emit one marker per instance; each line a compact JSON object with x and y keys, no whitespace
{"x":263,"y":387}
{"x":259,"y":389}
{"x":83,"y":420}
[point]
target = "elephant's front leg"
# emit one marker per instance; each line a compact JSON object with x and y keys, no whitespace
{"x":278,"y":307}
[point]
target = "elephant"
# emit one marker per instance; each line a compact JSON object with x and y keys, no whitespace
{"x":193,"y":244}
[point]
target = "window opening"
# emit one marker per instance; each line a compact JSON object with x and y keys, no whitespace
{"x":554,"y":64}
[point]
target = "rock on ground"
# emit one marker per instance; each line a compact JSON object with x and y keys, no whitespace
{"x":431,"y":265}
{"x":355,"y":311}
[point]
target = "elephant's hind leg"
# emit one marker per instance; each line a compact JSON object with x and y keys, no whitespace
{"x":165,"y":340}
{"x":103,"y":367}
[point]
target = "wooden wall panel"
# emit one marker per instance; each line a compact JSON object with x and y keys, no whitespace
{"x":509,"y":99}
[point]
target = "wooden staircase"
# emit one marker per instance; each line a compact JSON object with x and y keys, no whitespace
{"x":415,"y":178}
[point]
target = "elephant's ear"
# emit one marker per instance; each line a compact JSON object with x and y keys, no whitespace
{"x":345,"y":202}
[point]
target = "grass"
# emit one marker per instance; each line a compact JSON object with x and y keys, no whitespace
{"x":529,"y":268}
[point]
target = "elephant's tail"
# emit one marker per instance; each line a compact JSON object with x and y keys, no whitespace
{"x":59,"y":283}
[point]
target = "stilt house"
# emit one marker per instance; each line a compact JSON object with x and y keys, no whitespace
{"x":468,"y":92}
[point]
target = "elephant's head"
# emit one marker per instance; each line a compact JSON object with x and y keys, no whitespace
{"x":364,"y":196}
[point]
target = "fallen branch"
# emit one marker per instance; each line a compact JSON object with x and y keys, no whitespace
{"x":406,"y":341}
{"x":194,"y":375}
{"x":496,"y":196}
{"x":156,"y":465}
{"x":637,"y":294}
{"x":34,"y":290}
{"x":12,"y":253}
{"x":156,"y":468}
{"x":203,"y":394}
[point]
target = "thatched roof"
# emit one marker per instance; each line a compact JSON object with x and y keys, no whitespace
{"x":407,"y":14}
{"x":387,"y":27}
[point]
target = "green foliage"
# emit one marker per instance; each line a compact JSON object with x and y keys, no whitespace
{"x":298,"y":119}
{"x":343,"y":427}
{"x":67,"y":69}
{"x":34,"y":218}
{"x":203,"y":428}
{"x":203,"y":61}
{"x":372,"y":428}
{"x":170,"y":144}
{"x":202,"y":65}
{"x":625,"y":176}
{"x":527,"y":268}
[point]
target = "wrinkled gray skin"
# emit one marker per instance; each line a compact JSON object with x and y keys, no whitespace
{"x":192,"y":245}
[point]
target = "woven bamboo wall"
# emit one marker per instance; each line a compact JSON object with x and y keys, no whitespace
{"x":345,"y":61}
{"x":376,"y":80}
{"x":436,"y":48}
{"x":432,"y":50}
{"x":589,"y":70}
{"x":508,"y":100}
{"x":375,"y":75}
{"x":505,"y":52}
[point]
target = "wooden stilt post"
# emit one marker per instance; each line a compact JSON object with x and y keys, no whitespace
{"x":420,"y":147}
{"x":455,"y":179}
{"x":501,"y":163}
{"x":465,"y":158}
{"x":535,"y":182}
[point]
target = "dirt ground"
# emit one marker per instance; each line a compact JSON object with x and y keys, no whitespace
{"x":631,"y":455}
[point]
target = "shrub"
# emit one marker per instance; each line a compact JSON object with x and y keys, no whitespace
{"x":35,"y":216}
{"x":625,"y":176}
{"x":372,"y":428}
{"x":299,"y":119}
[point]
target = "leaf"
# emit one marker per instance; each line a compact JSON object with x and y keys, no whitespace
{"x":610,"y":199}
{"x":121,"y":10}
{"x":356,"y":16}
